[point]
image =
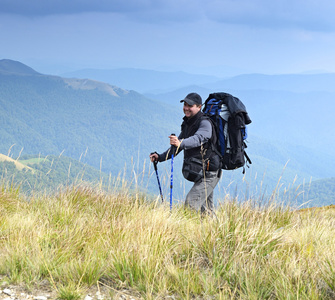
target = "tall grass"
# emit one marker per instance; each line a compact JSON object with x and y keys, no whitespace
{"x":121,"y":242}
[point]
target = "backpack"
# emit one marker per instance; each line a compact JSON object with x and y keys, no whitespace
{"x":229,"y":118}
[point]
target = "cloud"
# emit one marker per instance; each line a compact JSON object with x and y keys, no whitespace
{"x":313,"y":15}
{"x":54,"y":7}
{"x":301,"y":14}
{"x":144,"y":11}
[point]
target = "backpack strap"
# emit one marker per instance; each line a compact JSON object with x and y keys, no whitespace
{"x":247,"y":157}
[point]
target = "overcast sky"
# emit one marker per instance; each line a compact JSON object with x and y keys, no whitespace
{"x":231,"y":36}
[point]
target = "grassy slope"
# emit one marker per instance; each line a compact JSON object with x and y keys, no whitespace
{"x":19,"y":165}
{"x":82,"y":238}
{"x":46,"y":174}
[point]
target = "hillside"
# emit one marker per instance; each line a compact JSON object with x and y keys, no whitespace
{"x":114,"y":130}
{"x":18,"y":165}
{"x":49,"y":115}
{"x":33,"y":174}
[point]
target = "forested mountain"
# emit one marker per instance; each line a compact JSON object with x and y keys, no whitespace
{"x":113,"y":129}
{"x":49,"y":115}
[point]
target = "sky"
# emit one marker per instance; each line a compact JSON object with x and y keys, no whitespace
{"x":217,"y":37}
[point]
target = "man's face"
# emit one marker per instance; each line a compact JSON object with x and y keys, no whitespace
{"x":191,"y":110}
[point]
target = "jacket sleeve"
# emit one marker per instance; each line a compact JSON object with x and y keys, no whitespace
{"x":202,"y":135}
{"x":165,"y":155}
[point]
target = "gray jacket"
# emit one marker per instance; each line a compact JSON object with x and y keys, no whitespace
{"x":201,"y":136}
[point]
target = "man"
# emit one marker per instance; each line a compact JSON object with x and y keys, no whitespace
{"x":201,"y":163}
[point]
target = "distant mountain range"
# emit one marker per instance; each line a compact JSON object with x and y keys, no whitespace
{"x":157,"y":82}
{"x":113,"y":129}
{"x":142,"y":80}
{"x":299,"y":83}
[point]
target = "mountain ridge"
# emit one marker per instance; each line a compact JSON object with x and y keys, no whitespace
{"x":279,"y":82}
{"x":150,"y":81}
{"x":115,"y":127}
{"x":15,"y":67}
{"x":141,"y":80}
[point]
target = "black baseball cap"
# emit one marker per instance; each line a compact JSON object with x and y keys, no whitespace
{"x":192,"y":98}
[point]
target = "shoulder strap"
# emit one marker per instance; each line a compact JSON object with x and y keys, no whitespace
{"x":214,"y":139}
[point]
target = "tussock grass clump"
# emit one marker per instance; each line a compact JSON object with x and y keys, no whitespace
{"x":121,"y":242}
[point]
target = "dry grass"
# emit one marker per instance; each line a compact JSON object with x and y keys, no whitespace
{"x":82,"y":237}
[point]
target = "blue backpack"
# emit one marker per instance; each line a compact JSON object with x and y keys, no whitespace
{"x":229,"y":117}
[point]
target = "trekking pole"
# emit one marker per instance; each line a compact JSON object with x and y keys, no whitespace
{"x":159,"y":184}
{"x":173,"y":148}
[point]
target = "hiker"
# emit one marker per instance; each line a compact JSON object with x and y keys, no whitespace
{"x":201,"y":164}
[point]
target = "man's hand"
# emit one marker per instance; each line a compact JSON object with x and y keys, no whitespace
{"x":174,"y":141}
{"x":153,"y":157}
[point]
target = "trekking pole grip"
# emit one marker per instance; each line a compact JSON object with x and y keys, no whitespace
{"x":156,"y":171}
{"x":155,"y":162}
{"x":173,"y":148}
